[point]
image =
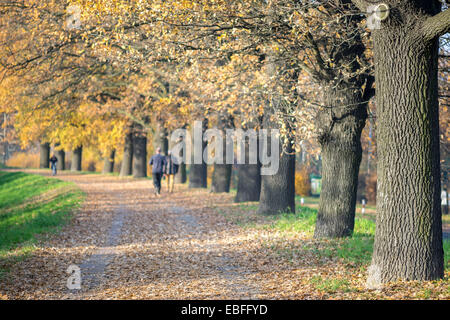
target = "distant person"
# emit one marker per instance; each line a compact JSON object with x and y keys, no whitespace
{"x":53,"y":160}
{"x":171,"y":170}
{"x":158,"y":163}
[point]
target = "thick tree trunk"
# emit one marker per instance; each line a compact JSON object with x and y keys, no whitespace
{"x":108,"y":165}
{"x":61,"y":156}
{"x":408,"y":238}
{"x":139,"y":155}
{"x":197,"y":176}
{"x":249,"y":180}
{"x":278,"y":190}
{"x":198,"y":172}
{"x":76,"y":159}
{"x":44,"y":155}
{"x":126,"y":168}
{"x":249,"y":183}
{"x":340,"y":126}
{"x":221,"y":178}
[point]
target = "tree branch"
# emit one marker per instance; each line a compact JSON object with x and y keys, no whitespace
{"x":436,"y":26}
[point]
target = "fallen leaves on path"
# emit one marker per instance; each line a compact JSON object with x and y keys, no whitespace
{"x":185,"y":246}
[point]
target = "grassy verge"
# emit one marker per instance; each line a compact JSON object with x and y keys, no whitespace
{"x":31,"y":206}
{"x":447,"y":254}
{"x":355,"y":251}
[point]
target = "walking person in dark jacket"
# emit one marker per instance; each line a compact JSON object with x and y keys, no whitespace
{"x":171,"y":170}
{"x":53,"y":160}
{"x":158,"y":163}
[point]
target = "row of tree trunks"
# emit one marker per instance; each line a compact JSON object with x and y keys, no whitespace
{"x":44,"y":158}
{"x":339,"y":133}
{"x":134,"y":157}
{"x":134,"y":160}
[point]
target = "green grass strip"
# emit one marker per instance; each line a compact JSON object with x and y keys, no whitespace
{"x":32,"y":205}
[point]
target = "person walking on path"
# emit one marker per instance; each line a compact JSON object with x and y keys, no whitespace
{"x":158,"y":163}
{"x":53,"y":160}
{"x":171,"y":170}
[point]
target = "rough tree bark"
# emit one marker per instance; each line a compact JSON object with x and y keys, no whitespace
{"x":198,"y":172}
{"x":44,"y":155}
{"x":408,"y":238}
{"x":139,"y":153}
{"x":108,"y":164}
{"x":221,"y":178}
{"x":76,"y":159}
{"x":339,"y":133}
{"x":126,"y":168}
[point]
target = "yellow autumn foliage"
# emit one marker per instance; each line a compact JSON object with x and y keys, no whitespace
{"x":302,"y":183}
{"x":24,"y":160}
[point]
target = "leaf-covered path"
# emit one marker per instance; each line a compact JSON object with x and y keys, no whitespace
{"x":130,"y":244}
